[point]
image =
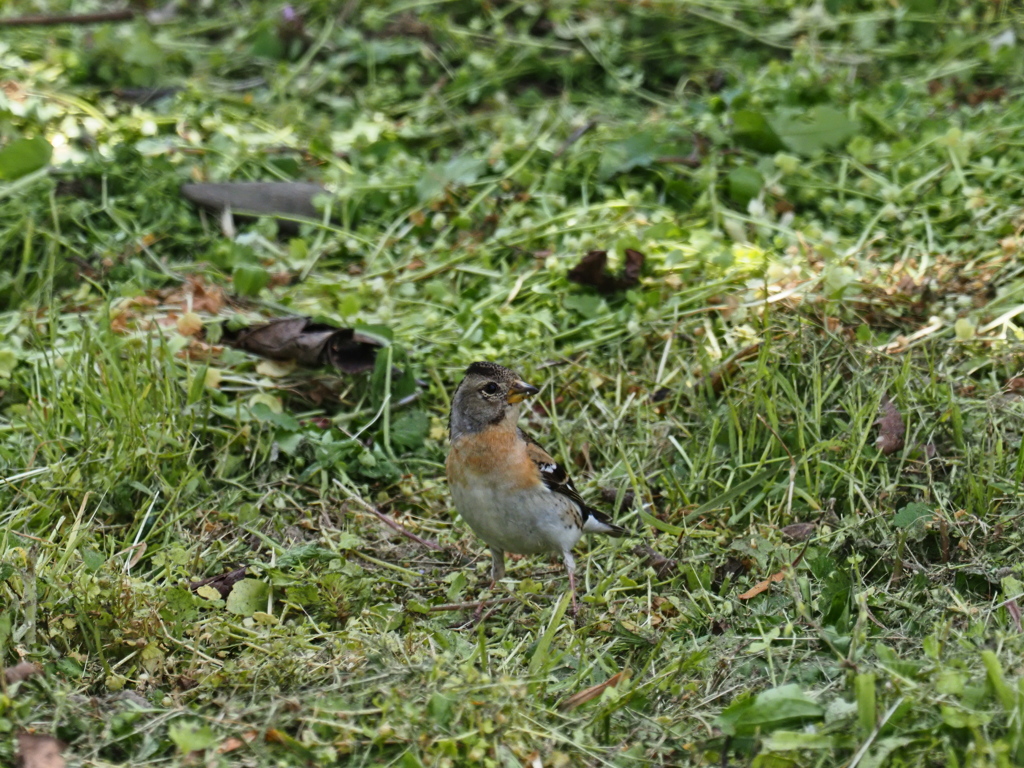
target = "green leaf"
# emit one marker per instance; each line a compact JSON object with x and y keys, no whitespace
{"x":266,"y":43}
{"x":540,"y":654}
{"x":302,"y":594}
{"x":752,"y":130}
{"x":262,"y":412}
{"x":391,"y":362}
{"x":191,"y":736}
{"x":249,"y":279}
{"x":996,"y":678}
{"x":198,"y":385}
{"x":346,"y":541}
{"x":724,"y":498}
{"x":440,"y":708}
{"x":410,"y":429}
{"x":809,"y":131}
{"x":661,"y":525}
{"x":289,"y":442}
{"x":588,"y":305}
{"x":379,"y":333}
{"x":867,"y":712}
{"x":22,"y":156}
{"x":637,"y":151}
{"x":790,"y":741}
{"x":769,"y":711}
{"x":438,"y":177}
{"x":8,"y":362}
{"x":911,"y":514}
{"x":961,"y":718}
{"x":744,"y":184}
{"x":247,"y":597}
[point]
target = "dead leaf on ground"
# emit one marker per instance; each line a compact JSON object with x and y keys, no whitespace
{"x":230,"y":744}
{"x":799,"y":531}
{"x":762,"y":586}
{"x":1015,"y":386}
{"x":663,"y":566}
{"x":593,"y":691}
{"x":1014,"y":610}
{"x":287,"y":199}
{"x":23,"y":670}
{"x":891,"y":428}
{"x":37,"y":751}
{"x":194,"y":295}
{"x":222,"y":582}
{"x":731,"y":568}
{"x":723,"y":374}
{"x":591,"y":271}
{"x":189,"y":324}
{"x":610,"y":494}
{"x":308,"y":343}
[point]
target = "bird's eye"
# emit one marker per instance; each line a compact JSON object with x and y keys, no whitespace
{"x":491,"y":389}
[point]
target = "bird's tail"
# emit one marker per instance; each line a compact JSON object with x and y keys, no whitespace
{"x":599,"y":522}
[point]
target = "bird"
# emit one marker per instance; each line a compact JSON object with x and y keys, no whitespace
{"x":509,"y":490}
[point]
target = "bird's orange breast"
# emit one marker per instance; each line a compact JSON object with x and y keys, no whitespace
{"x":493,"y":456}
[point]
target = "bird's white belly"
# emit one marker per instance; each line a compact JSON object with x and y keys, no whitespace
{"x":523,"y":522}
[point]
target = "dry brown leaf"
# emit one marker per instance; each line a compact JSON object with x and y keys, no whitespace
{"x":222,"y":582}
{"x":582,"y":697}
{"x":1015,"y":385}
{"x":23,"y":670}
{"x":762,"y":586}
{"x":199,"y":351}
{"x":591,"y":271}
{"x":1014,"y":610}
{"x":189,"y":324}
{"x":799,"y":531}
{"x":140,"y":550}
{"x":891,"y":428}
{"x":196,"y":296}
{"x":230,"y":744}
{"x":309,"y":344}
{"x":663,"y":566}
{"x":275,"y":369}
{"x":37,"y":751}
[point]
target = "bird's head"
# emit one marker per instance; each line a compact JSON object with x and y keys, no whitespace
{"x":488,"y":394}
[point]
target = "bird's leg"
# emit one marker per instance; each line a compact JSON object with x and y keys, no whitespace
{"x":497,"y":566}
{"x":570,"y":567}
{"x":497,"y":574}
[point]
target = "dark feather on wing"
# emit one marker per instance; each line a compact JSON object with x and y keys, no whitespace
{"x":557,"y":479}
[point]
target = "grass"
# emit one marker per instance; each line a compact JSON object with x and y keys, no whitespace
{"x":827,"y":197}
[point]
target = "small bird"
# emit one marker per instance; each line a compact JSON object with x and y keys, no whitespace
{"x":511,"y":492}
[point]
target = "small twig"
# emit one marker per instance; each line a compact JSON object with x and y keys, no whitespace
{"x":663,"y":566}
{"x":389,"y":521}
{"x":792,"y":464}
{"x":471,"y":604}
{"x":575,"y":136}
{"x":222,"y":582}
{"x":418,"y":539}
{"x":47,"y":20}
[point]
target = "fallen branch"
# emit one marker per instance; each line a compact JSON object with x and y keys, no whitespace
{"x":48,"y":20}
{"x":575,"y":136}
{"x":418,"y":539}
{"x":389,"y":521}
{"x":471,"y":604}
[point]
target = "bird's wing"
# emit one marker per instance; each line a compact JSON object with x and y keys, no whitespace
{"x":557,"y":480}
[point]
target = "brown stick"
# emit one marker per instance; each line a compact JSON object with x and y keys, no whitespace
{"x":47,"y":20}
{"x":389,"y":522}
{"x":575,"y":136}
{"x":471,"y":604}
{"x":418,"y":539}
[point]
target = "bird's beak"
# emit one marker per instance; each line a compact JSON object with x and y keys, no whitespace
{"x":520,"y":390}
